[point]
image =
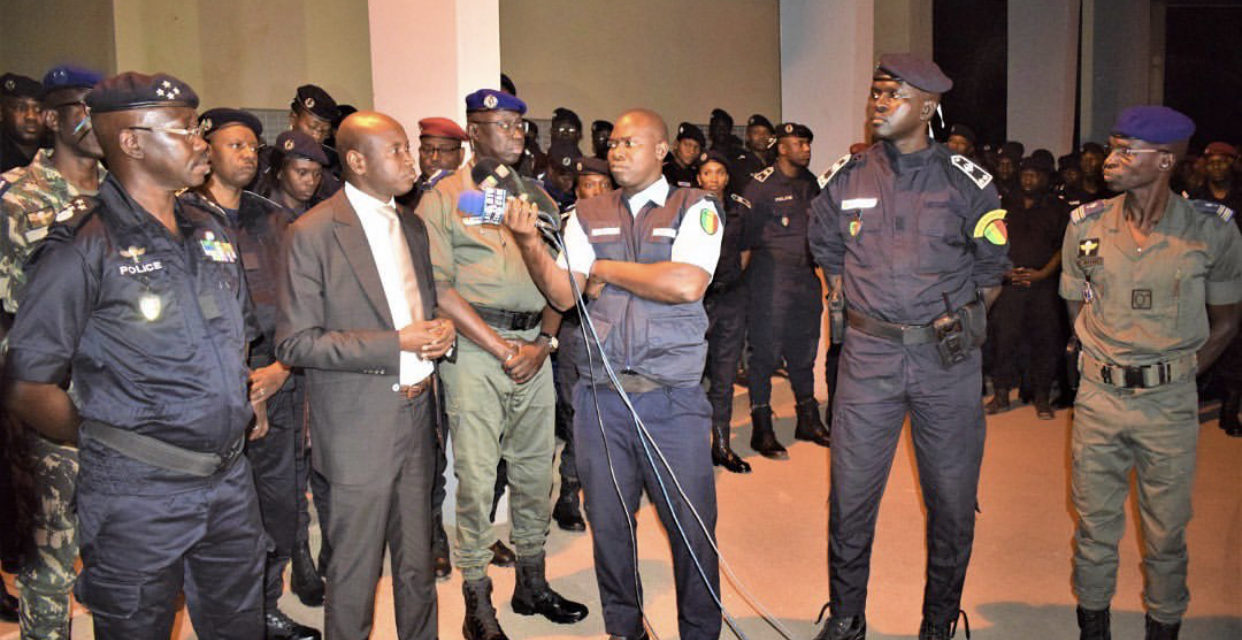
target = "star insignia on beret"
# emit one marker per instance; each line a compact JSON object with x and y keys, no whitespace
{"x":681,"y":130}
{"x":702,"y":157}
{"x":490,"y":101}
{"x":9,"y":84}
{"x":60,"y":74}
{"x":289,"y":144}
{"x":309,"y":102}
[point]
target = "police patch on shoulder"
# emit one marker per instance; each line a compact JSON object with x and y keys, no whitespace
{"x":740,"y":200}
{"x":973,"y":171}
{"x":826,"y":176}
{"x":762,"y":176}
{"x":991,"y":226}
{"x":1213,"y":208}
{"x":709,"y":221}
{"x":1089,"y":210}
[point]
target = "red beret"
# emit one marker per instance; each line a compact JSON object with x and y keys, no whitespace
{"x":441,"y":128}
{"x":1221,"y":149}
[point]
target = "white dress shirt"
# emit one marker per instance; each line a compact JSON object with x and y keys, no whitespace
{"x":379,"y":219}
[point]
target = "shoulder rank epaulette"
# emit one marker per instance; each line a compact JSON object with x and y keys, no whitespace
{"x":76,"y":207}
{"x":1213,"y":208}
{"x":740,"y":200}
{"x":439,"y":175}
{"x":763,"y":175}
{"x":826,"y":176}
{"x":1089,"y":210}
{"x":976,"y":173}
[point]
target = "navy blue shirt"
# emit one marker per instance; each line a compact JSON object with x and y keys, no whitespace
{"x":904,"y":230}
{"x":150,"y":325}
{"x":776,"y":223}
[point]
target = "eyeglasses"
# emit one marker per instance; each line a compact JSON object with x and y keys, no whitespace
{"x":193,"y":132}
{"x":507,"y":126}
{"x":1127,"y":154}
{"x":432,"y":151}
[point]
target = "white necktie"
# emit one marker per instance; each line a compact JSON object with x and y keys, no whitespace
{"x":405,"y":266}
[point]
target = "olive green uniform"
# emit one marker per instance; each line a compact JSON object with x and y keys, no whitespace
{"x":1143,"y":320}
{"x":33,"y":198}
{"x":490,"y":416}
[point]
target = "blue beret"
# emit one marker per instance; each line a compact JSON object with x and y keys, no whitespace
{"x":299,"y":143}
{"x":69,"y":77}
{"x":1154,"y":124}
{"x":133,"y":90}
{"x":914,"y":71}
{"x":588,"y":164}
{"x":687,"y":130}
{"x":13,"y":85}
{"x":795,"y":130}
{"x":715,"y":155}
{"x":493,"y":100}
{"x":216,"y":119}
{"x":316,"y":101}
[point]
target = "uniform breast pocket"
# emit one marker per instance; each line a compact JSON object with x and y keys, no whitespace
{"x":607,"y":245}
{"x":940,"y":240}
{"x":151,"y":308}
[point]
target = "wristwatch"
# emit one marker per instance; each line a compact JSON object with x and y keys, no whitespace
{"x":553,"y":343}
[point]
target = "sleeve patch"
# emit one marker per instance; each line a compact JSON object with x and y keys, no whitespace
{"x":992,"y":227}
{"x":973,"y":171}
{"x":826,"y":176}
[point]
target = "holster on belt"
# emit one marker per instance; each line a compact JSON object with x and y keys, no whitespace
{"x":955,"y":333}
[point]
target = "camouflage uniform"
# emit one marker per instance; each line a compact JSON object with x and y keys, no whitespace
{"x":32,"y":199}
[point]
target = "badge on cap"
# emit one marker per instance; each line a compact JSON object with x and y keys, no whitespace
{"x":309,"y":102}
{"x":490,"y":101}
{"x":991,"y":226}
{"x":789,"y":128}
{"x":289,"y":144}
{"x":168,"y":90}
{"x":9,"y":84}
{"x":579,"y":167}
{"x":206,"y":125}
{"x":566,"y":161}
{"x":150,"y":306}
{"x":709,"y":221}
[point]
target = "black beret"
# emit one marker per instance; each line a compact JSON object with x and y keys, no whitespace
{"x":1093,"y":147}
{"x":721,"y":114}
{"x":13,"y":85}
{"x":687,"y":130}
{"x":561,"y":114}
{"x":1037,"y":162}
{"x":1045,"y":156}
{"x":299,"y":143}
{"x":1013,"y":149}
{"x":964,"y":131}
{"x":562,"y":155}
{"x":133,"y":90}
{"x":914,"y":71}
{"x":758,"y":120}
{"x":601,"y":125}
{"x":69,"y":77}
{"x":794,"y":129}
{"x":216,"y":119}
{"x":1069,"y":160}
{"x":1154,"y":123}
{"x":316,"y":101}
{"x":594,"y":165}
{"x":506,"y":85}
{"x":714,"y":156}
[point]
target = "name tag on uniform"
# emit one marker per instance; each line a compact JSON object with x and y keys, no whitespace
{"x":860,"y":203}
{"x":665,"y":232}
{"x":606,"y":231}
{"x":783,"y":198}
{"x":36,"y":234}
{"x":135,"y":269}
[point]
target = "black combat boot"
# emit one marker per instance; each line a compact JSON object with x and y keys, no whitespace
{"x":844,"y":628}
{"x":1160,"y":631}
{"x":1093,"y":625}
{"x":1043,"y":408}
{"x":306,"y":582}
{"x":723,"y":454}
{"x":480,"y":622}
{"x":809,"y":427}
{"x":930,"y":630}
{"x":762,"y":438}
{"x":279,"y":626}
{"x":566,"y":512}
{"x":502,"y":556}
{"x":532,"y":594}
{"x":440,"y":548}
{"x":1229,"y":413}
{"x":999,"y":402}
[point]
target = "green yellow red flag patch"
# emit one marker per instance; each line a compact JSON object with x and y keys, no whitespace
{"x":709,"y":221}
{"x":991,"y":226}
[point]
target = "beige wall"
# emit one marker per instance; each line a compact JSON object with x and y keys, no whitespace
{"x":39,"y":34}
{"x":256,"y":61}
{"x":680,"y":58}
{"x":903,"y":26}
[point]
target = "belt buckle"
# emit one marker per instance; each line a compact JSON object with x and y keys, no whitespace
{"x":1106,"y":374}
{"x":232,"y":454}
{"x":1134,"y":378}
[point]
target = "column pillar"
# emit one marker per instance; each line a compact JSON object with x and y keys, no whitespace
{"x":1043,"y":66}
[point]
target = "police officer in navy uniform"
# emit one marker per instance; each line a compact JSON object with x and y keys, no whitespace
{"x":313,"y":111}
{"x":143,"y":304}
{"x":600,"y":131}
{"x":21,"y":120}
{"x":755,"y":156}
{"x":681,"y":167}
{"x":645,"y":254}
{"x":914,"y":237}
{"x":276,"y":441}
{"x":785,"y":307}
{"x":725,"y":303}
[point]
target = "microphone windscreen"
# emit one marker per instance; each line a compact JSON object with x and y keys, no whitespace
{"x":471,"y":203}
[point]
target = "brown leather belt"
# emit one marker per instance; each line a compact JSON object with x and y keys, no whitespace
{"x":411,"y":391}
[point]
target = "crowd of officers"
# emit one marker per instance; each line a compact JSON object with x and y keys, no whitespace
{"x":194,"y":283}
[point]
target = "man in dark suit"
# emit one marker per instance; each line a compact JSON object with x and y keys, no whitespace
{"x":356,"y":313}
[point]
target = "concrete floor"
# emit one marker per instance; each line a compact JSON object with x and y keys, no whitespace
{"x":772,"y":533}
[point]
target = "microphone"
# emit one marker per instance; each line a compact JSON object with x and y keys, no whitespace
{"x":489,"y":173}
{"x":488,"y":207}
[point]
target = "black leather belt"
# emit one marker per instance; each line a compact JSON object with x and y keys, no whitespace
{"x":634,"y":382}
{"x":158,"y":453}
{"x":509,"y":320}
{"x":900,"y":333}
